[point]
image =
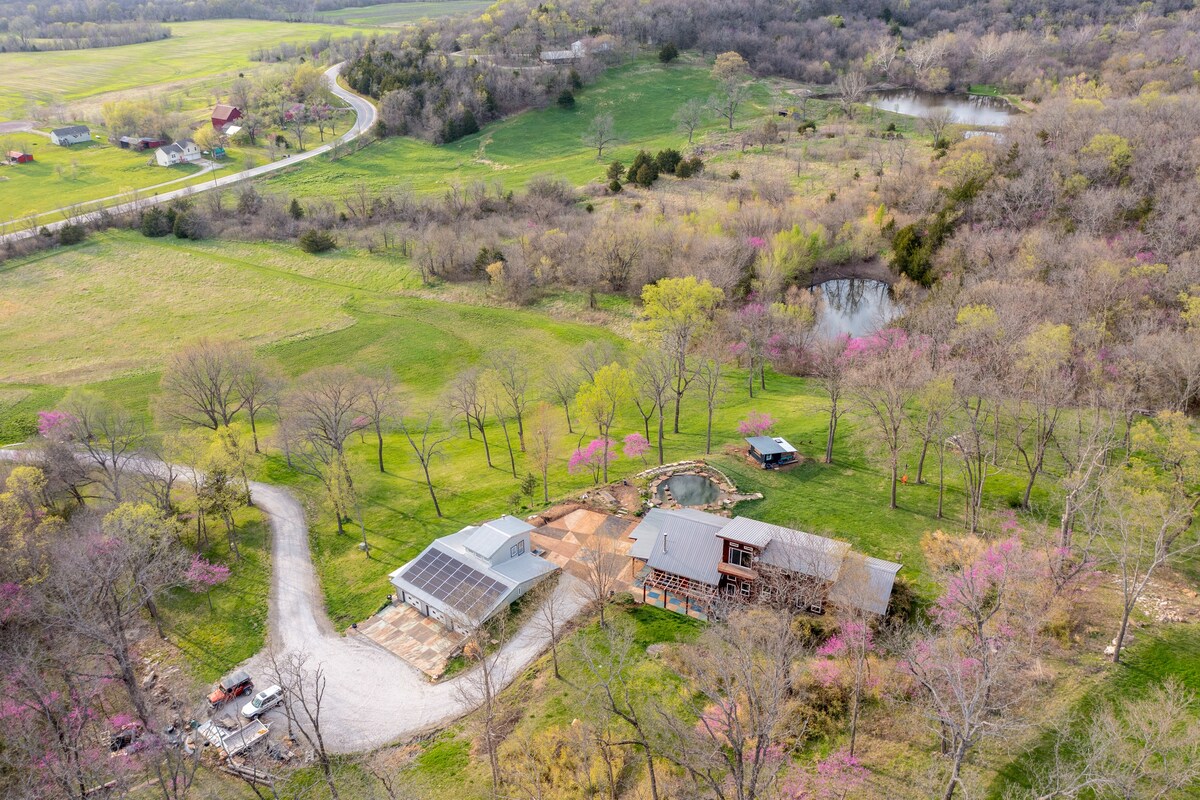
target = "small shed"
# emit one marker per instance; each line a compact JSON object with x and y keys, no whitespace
{"x":223,"y":114}
{"x":771,"y":451}
{"x":19,"y":157}
{"x":71,"y":134}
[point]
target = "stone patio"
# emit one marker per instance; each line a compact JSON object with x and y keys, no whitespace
{"x":563,"y":538}
{"x":419,"y":640}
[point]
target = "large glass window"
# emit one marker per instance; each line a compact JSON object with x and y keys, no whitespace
{"x":740,"y":557}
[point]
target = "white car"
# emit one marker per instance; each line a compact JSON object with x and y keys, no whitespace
{"x":266,"y":699}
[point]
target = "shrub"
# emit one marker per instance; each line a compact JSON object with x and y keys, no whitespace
{"x":646,"y":175}
{"x":574,"y":79}
{"x":589,"y":208}
{"x":614,"y":186}
{"x":186,"y":226}
{"x":315,"y":240}
{"x":668,"y":53}
{"x":154,"y":223}
{"x":667,"y":160}
{"x":615,"y":170}
{"x":71,"y":234}
{"x":733,"y":176}
{"x":643,"y":170}
{"x":566,"y":99}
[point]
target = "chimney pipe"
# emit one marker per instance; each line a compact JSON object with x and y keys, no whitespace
{"x":664,"y":543}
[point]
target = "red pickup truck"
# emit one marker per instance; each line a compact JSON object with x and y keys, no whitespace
{"x":229,"y":687}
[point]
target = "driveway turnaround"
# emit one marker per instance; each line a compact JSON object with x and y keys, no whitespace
{"x":372,"y":698}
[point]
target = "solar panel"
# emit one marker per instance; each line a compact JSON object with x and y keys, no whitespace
{"x":460,"y":586}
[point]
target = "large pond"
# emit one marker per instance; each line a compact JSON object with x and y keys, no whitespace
{"x":854,"y":306}
{"x":965,"y":109}
{"x":688,"y":490}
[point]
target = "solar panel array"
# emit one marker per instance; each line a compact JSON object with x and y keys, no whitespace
{"x":462,"y":587}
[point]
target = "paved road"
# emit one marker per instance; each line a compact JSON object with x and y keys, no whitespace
{"x":365,"y":115}
{"x":372,"y":697}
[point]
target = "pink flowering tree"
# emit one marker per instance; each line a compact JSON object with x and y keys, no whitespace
{"x":56,"y":425}
{"x":847,"y":657}
{"x":202,"y":575}
{"x":965,"y":668}
{"x":594,"y":458}
{"x":753,"y":326}
{"x":837,"y":776}
{"x":636,"y":446}
{"x":756,"y":423}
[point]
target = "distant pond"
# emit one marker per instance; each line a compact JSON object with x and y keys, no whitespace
{"x":854,"y":306}
{"x":966,"y":109}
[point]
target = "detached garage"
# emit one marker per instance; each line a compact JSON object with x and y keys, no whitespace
{"x":71,"y":134}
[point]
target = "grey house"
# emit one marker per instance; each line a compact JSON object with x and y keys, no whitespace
{"x":71,"y":134}
{"x":771,"y":451}
{"x":464,"y":579}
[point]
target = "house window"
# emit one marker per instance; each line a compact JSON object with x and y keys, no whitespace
{"x":745,"y":588}
{"x":517,"y":549}
{"x":740,"y":557}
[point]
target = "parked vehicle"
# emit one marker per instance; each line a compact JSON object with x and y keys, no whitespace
{"x":265,"y":700}
{"x":232,"y":685}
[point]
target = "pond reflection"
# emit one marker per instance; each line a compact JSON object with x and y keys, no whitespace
{"x":854,"y":306}
{"x":965,"y":109}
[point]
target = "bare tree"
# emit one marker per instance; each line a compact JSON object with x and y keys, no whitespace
{"x":690,"y":117}
{"x":561,"y":383}
{"x":851,"y":88}
{"x":542,"y":440}
{"x":738,"y":678}
{"x":303,"y":684}
{"x":512,"y":376}
{"x":550,"y":616}
{"x":427,"y":440}
{"x":480,"y":687}
{"x":935,"y":123}
{"x":592,"y":357}
{"x":380,"y":402}
{"x":200,"y":383}
{"x":652,"y":386}
{"x":467,"y":399}
{"x":110,"y":437}
{"x":600,"y":134}
{"x":259,"y":385}
{"x":711,"y":377}
{"x":609,"y":658}
{"x":730,"y":72}
{"x":832,"y":366}
{"x":602,"y":567}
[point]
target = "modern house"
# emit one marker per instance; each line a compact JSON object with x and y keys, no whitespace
{"x":19,"y":157}
{"x":466,"y":578}
{"x":140,"y":142}
{"x":223,"y":114}
{"x":709,"y":560}
{"x":71,"y":134}
{"x":185,"y":151}
{"x":771,"y":451}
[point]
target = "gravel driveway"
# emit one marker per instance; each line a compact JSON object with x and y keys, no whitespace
{"x":372,"y":697}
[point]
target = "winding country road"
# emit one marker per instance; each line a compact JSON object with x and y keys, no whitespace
{"x":365,"y":115}
{"x":372,"y":697}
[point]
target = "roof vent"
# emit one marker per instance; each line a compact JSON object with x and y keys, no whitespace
{"x":664,"y":543}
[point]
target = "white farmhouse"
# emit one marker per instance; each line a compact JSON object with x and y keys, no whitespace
{"x":185,"y":151}
{"x":71,"y":134}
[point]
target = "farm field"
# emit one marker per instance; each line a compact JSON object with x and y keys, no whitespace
{"x":397,"y":14}
{"x":64,"y":176}
{"x":195,"y":52}
{"x":641,"y":97}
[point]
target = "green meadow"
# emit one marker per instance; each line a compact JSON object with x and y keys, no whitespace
{"x":195,"y":52}
{"x":389,"y":15}
{"x":641,"y":96}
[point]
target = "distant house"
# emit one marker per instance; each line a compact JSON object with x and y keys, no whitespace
{"x":140,"y":142}
{"x":184,"y":151}
{"x":578,"y":50}
{"x":223,"y":114}
{"x":71,"y":134}
{"x":19,"y":157}
{"x":709,"y":560}
{"x":771,"y":451}
{"x":464,"y":579}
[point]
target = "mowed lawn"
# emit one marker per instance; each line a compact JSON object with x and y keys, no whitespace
{"x":195,"y":51}
{"x":61,"y":176}
{"x":642,"y":98}
{"x":396,"y":14}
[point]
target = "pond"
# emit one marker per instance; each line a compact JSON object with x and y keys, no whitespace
{"x":966,"y":109}
{"x":688,"y":490}
{"x":854,"y":306}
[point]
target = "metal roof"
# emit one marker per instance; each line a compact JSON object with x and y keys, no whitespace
{"x":688,"y":548}
{"x":646,"y":533}
{"x":748,"y":531}
{"x":804,"y":553}
{"x":491,"y":537}
{"x":869,"y":588}
{"x":770,"y":445}
{"x":72,"y":130}
{"x":448,"y":579}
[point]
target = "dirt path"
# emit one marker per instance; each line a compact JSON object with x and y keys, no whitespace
{"x":372,"y":698}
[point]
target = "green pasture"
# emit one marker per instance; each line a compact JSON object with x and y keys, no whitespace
{"x":389,"y":15}
{"x":195,"y":51}
{"x":60,"y":177}
{"x":642,"y":97}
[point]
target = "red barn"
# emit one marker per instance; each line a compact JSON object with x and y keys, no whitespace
{"x":223,"y":114}
{"x":17,"y":157}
